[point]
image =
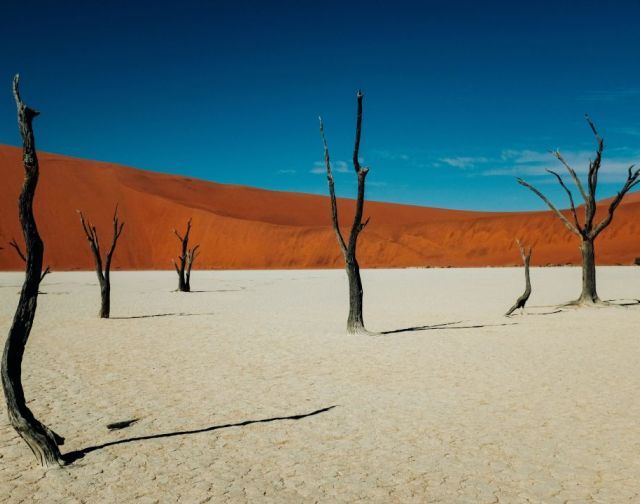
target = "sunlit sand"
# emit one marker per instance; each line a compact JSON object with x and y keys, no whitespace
{"x":248,"y":389}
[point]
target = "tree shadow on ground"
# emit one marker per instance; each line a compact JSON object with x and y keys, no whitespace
{"x":216,"y":290}
{"x":76,"y":455}
{"x":162,"y":315}
{"x":528,"y":313}
{"x":623,"y":302}
{"x":443,"y":326}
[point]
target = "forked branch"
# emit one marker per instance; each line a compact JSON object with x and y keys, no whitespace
{"x":571,"y":227}
{"x":21,"y":255}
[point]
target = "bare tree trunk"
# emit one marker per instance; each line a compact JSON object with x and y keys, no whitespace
{"x":105,"y":298}
{"x":103,"y":276}
{"x":587,"y":230}
{"x":185,"y":260}
{"x":522,"y":300}
{"x":355,"y":321}
{"x":589,"y":294}
{"x":42,"y":440}
{"x":191,"y":256}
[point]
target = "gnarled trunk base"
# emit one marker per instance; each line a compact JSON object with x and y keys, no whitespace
{"x":355,"y":321}
{"x":589,"y":295}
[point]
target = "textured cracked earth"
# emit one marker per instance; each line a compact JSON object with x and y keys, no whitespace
{"x":541,"y":407}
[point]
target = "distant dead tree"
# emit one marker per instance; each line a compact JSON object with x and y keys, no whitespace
{"x":21,"y":255}
{"x":186,"y":258}
{"x":526,"y":260}
{"x":355,"y":322}
{"x":587,"y":231}
{"x":103,"y":276}
{"x":40,"y":438}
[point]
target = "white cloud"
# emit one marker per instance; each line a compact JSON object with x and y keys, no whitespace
{"x":535,"y":163}
{"x":463,"y":161}
{"x":320,"y":168}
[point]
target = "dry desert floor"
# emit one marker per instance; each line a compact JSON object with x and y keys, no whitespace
{"x":249,"y":390}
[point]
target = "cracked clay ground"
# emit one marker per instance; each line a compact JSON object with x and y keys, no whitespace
{"x":544,"y":409}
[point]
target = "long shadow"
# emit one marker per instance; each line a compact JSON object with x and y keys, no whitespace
{"x":446,"y":325}
{"x":217,"y":290}
{"x":623,"y":302}
{"x":162,"y":315}
{"x":76,"y":455}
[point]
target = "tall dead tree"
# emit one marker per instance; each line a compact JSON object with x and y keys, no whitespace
{"x":41,"y":439}
{"x":587,"y":231}
{"x":355,"y":322}
{"x":526,"y":260}
{"x":21,"y":255}
{"x":186,"y":258}
{"x":103,"y":275}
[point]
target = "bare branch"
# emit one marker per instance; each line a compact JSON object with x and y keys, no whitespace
{"x":570,"y":194}
{"x":356,"y":148}
{"x":592,"y":178}
{"x":573,"y":174}
{"x":117,"y":231}
{"x":15,"y":245}
{"x":357,"y":227}
{"x":45,"y":273}
{"x":332,"y":191}
{"x":633,"y":178}
{"x":560,"y":215}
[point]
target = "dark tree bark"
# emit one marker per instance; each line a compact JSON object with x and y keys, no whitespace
{"x":526,"y":260}
{"x":103,"y":276}
{"x":186,"y":258}
{"x":21,"y":255}
{"x":41,"y":439}
{"x":588,"y":231}
{"x":355,"y":321}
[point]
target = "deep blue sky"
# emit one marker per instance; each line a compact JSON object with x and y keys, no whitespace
{"x":459,"y":96}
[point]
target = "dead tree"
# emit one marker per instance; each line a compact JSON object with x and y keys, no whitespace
{"x":186,"y":258}
{"x":103,"y":276}
{"x":41,"y":439}
{"x":587,"y":231}
{"x":526,"y":260}
{"x":21,"y":255}
{"x":355,"y":322}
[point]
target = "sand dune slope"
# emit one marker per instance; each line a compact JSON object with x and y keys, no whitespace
{"x":242,"y":227}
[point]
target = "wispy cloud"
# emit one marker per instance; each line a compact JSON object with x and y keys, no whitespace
{"x":462,"y":162}
{"x":337,"y":166}
{"x":387,"y":155}
{"x":519,"y":163}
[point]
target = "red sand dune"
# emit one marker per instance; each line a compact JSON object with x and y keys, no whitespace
{"x":243,"y":227}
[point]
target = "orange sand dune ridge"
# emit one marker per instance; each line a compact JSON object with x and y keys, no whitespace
{"x":241,"y":227}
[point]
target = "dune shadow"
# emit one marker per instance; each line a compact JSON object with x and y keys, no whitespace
{"x":162,"y":315}
{"x":76,"y":455}
{"x":443,"y":326}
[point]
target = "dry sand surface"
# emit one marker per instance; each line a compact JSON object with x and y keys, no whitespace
{"x":536,"y":408}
